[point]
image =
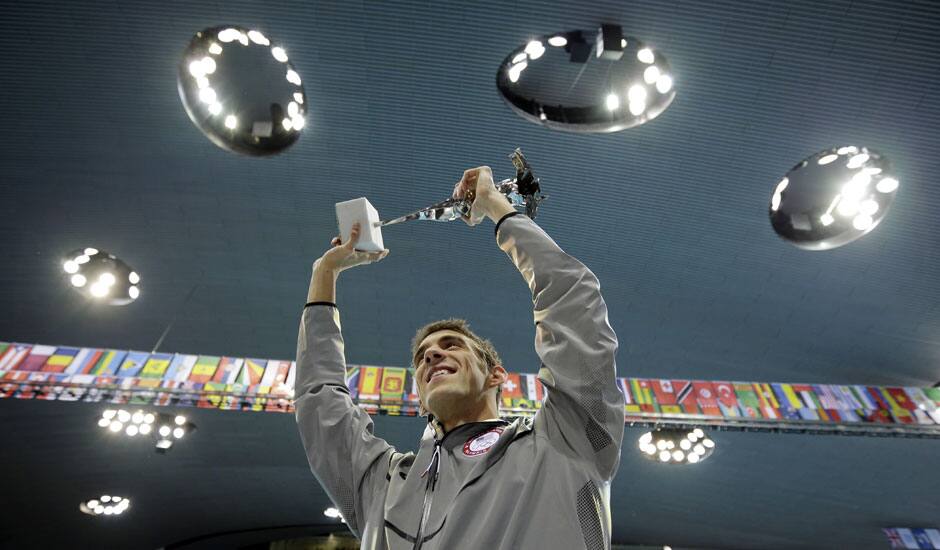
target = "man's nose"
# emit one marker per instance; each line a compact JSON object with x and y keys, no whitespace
{"x":433,"y":355}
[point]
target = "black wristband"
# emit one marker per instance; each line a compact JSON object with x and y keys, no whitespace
{"x":504,"y":218}
{"x":308,"y":304}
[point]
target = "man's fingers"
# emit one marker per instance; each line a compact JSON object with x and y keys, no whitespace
{"x":353,"y":236}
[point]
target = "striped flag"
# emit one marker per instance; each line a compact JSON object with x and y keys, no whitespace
{"x":533,"y":388}
{"x":370,"y":384}
{"x":769,"y":406}
{"x":36,"y":358}
{"x":156,"y":365}
{"x":60,"y":360}
{"x":643,"y":395}
{"x":108,"y":363}
{"x":228,"y":370}
{"x":685,"y":396}
{"x":83,"y":361}
{"x":13,"y":356}
{"x":275,"y":374}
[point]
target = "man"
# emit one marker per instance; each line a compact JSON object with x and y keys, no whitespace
{"x":476,"y":481}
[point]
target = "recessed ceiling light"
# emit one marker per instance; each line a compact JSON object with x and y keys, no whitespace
{"x":216,"y":104}
{"x":833,"y":197}
{"x":567,"y":88}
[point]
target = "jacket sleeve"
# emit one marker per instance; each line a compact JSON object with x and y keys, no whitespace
{"x":348,"y":460}
{"x":583,"y":413}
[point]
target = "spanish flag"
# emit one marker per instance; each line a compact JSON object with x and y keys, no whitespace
{"x":59,"y":360}
{"x":370,"y":379}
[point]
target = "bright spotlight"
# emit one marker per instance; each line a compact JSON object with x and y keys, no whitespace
{"x":646,"y":56}
{"x":613,"y":102}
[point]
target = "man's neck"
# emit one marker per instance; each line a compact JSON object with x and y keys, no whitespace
{"x":456,"y":421}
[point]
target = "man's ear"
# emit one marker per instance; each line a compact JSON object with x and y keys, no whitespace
{"x":496,"y":377}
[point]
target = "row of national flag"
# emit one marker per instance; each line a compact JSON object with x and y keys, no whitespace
{"x":913,"y":539}
{"x":90,"y":374}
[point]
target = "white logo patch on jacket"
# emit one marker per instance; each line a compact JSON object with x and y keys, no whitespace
{"x":482,"y":443}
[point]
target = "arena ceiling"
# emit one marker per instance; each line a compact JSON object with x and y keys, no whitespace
{"x":97,"y":150}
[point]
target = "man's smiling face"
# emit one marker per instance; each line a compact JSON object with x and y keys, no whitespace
{"x":450,"y":371}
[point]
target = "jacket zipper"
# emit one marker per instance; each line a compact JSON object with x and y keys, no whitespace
{"x":433,"y":469}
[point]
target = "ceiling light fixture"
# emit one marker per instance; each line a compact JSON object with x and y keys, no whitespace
{"x":237,"y":95}
{"x":833,"y":197}
{"x":105,"y":505}
{"x":166,"y":428}
{"x":565,"y":87}
{"x":676,"y":446}
{"x":110,"y":277}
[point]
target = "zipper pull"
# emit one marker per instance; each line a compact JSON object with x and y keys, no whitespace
{"x":436,"y":457}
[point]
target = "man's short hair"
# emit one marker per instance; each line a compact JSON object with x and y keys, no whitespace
{"x":484,"y":348}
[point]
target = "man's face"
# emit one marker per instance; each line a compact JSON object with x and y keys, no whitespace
{"x":450,"y":372}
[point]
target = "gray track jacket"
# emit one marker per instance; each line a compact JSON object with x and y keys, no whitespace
{"x":541,"y":483}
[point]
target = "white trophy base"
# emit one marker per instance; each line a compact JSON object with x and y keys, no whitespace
{"x":359,"y":210}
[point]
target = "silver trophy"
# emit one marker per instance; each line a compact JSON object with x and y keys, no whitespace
{"x":522,"y":191}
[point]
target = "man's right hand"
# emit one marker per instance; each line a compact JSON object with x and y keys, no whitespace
{"x":342,"y":256}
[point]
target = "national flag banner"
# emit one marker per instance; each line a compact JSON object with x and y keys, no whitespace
{"x":3,"y":347}
{"x":663,"y":391}
{"x":370,"y":384}
{"x":863,"y":397}
{"x":83,"y":361}
{"x":907,"y":538}
{"x":533,"y":388}
{"x":901,"y":399}
{"x":706,"y":398}
{"x":933,"y":394}
{"x":934,"y":536}
{"x":686,"y":396}
{"x":13,"y":356}
{"x":393,"y":385}
{"x":156,"y":365}
{"x":643,"y":394}
{"x":923,"y":539}
{"x":769,"y":407}
{"x":511,"y":390}
{"x":727,"y":400}
{"x":291,"y":378}
{"x":748,"y":401}
{"x":181,"y":367}
{"x":29,"y":386}
{"x":275,"y":374}
{"x":234,"y":394}
{"x":252,"y":372}
{"x":411,"y":387}
{"x":848,"y":398}
{"x":108,"y":363}
{"x":36,"y":358}
{"x":919,"y":397}
{"x":259,"y":399}
{"x":60,"y":360}
{"x":132,"y":364}
{"x":282,"y":404}
{"x":51,"y":390}
{"x":227,"y":370}
{"x":624,"y":386}
{"x":811,"y":408}
{"x":204,"y":369}
{"x":352,"y":381}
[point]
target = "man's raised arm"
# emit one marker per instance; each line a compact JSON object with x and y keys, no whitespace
{"x":584,"y":410}
{"x":346,"y":458}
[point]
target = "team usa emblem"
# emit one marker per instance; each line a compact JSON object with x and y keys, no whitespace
{"x":482,"y":443}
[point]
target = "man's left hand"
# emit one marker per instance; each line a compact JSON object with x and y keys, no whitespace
{"x":477,"y":185}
